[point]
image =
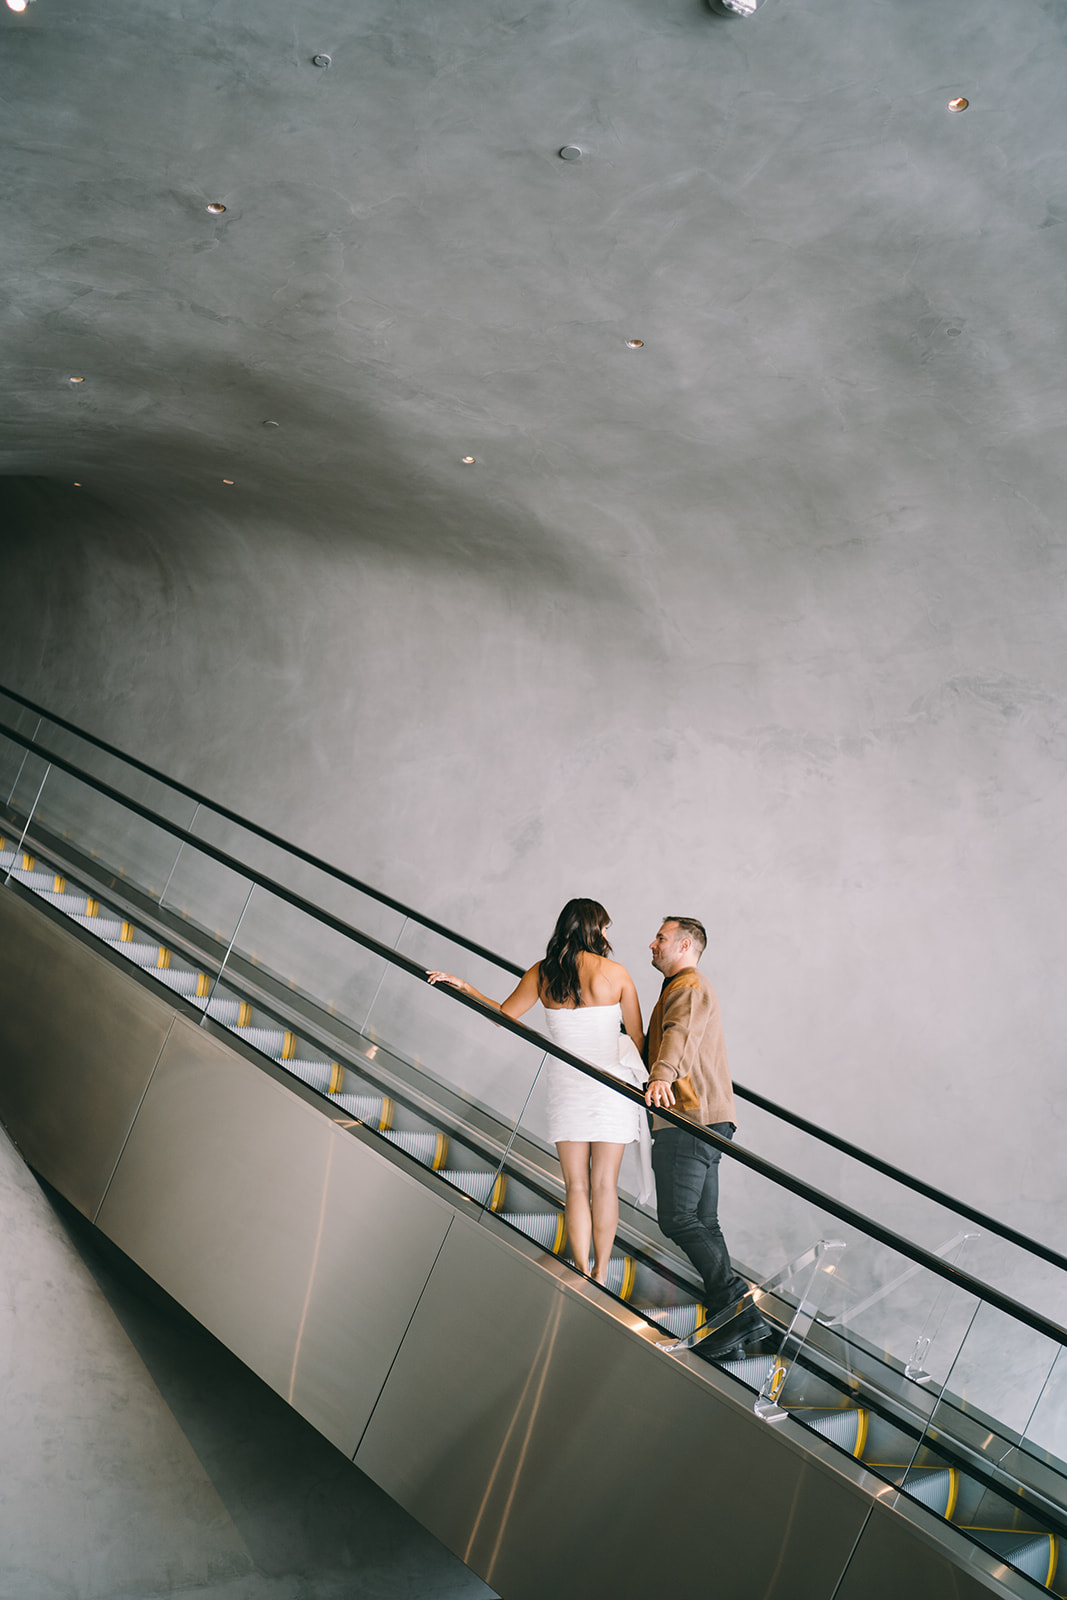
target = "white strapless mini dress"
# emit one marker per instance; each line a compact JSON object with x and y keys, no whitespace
{"x":579,"y":1107}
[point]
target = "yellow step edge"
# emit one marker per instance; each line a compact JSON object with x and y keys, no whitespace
{"x":163,"y":960}
{"x":629,"y":1273}
{"x":440,"y":1152}
{"x":59,"y":884}
{"x":27,"y":861}
{"x":203,"y":985}
{"x":337,"y":1078}
{"x":496,"y":1199}
{"x":861,"y":1433}
{"x":385,"y":1121}
{"x":126,"y":936}
{"x":953,"y":1492}
{"x":92,"y":907}
{"x":289,"y":1046}
{"x":561,"y":1233}
{"x":244,"y":1014}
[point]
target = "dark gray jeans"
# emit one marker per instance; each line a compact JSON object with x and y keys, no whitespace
{"x":687,"y":1200}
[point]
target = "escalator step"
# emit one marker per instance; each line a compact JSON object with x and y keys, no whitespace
{"x":183,"y":983}
{"x":846,"y":1427}
{"x":271,"y":1041}
{"x":142,"y":955}
{"x":679,"y":1320}
{"x":546,"y":1228}
{"x":481,"y":1186}
{"x":936,"y":1487}
{"x":318,"y":1075}
{"x":621,"y":1273}
{"x":1034,"y":1554}
{"x":429,"y":1148}
{"x":752,"y":1370}
{"x":374,"y":1109}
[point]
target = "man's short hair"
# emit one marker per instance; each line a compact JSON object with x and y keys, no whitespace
{"x":693,"y":930}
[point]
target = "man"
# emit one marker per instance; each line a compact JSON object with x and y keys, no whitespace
{"x":689,"y":1073}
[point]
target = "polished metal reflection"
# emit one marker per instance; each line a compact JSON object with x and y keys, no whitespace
{"x":909,"y":1551}
{"x":560,"y":1453}
{"x":78,"y":1042}
{"x":296,"y":1243}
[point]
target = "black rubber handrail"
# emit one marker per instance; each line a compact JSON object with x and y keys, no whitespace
{"x":265,"y":833}
{"x":929,"y":1191}
{"x":748,"y":1158}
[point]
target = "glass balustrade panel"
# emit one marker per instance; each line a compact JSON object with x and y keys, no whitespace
{"x":108,"y":878}
{"x":461,"y":1048}
{"x":323,"y":890}
{"x":997,"y":1420}
{"x":90,"y":830}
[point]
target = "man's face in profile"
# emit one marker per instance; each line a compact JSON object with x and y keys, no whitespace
{"x":664,"y":948}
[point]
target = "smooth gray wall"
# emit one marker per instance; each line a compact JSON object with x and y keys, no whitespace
{"x":858,"y":794}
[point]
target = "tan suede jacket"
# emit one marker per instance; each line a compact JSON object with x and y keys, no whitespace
{"x":686,"y":1047}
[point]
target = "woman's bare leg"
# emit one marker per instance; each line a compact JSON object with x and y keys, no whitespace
{"x":574,"y":1159}
{"x":605,"y":1161}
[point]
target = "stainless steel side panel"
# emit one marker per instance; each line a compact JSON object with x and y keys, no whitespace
{"x":908,"y":1552}
{"x":80,"y":1042}
{"x":300,"y":1247}
{"x":560,"y":1454}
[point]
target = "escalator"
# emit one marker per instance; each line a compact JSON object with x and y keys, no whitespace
{"x":274,"y":1006}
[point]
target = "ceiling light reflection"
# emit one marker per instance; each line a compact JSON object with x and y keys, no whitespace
{"x":216,"y":208}
{"x":959,"y":104}
{"x":635,"y":344}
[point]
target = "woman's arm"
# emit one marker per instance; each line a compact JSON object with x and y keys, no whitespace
{"x":518,"y":1002}
{"x":631,"y":1011}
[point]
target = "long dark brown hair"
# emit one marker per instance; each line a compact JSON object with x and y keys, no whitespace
{"x":580,"y":927}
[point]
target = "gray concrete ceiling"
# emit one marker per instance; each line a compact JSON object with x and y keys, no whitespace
{"x":851,"y":299}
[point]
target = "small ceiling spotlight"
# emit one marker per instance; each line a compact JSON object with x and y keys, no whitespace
{"x":77,"y":485}
{"x":635,"y":344}
{"x":959,"y":104}
{"x":269,"y":422}
{"x":17,"y":5}
{"x":738,"y":8}
{"x":570,"y":152}
{"x":75,"y":380}
{"x":216,"y":207}
{"x":322,"y":61}
{"x":229,"y":481}
{"x":468,"y":461}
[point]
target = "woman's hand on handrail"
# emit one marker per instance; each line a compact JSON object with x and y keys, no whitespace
{"x":462,"y":984}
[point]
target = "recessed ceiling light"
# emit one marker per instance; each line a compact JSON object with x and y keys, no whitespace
{"x":216,"y":208}
{"x":321,"y":61}
{"x":269,"y":422}
{"x":77,"y":485}
{"x":468,"y":461}
{"x":959,"y":104}
{"x":77,"y":380}
{"x":229,"y":481}
{"x":17,"y":5}
{"x":570,"y":152}
{"x":635,"y":344}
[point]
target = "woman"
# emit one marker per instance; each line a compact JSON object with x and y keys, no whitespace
{"x":592,"y":1010}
